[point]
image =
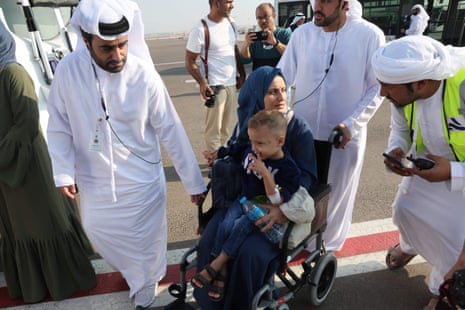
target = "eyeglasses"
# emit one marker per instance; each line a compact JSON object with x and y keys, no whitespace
{"x":260,"y":18}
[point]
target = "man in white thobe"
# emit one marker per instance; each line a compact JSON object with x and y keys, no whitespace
{"x":328,"y":62}
{"x":425,"y":82}
{"x":109,"y":112}
{"x":418,"y":21}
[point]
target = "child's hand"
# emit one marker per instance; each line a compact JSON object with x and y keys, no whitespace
{"x":256,"y":165}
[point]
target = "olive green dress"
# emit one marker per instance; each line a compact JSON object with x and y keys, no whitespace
{"x":43,"y":248}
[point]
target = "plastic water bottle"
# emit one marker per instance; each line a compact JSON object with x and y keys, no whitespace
{"x":254,"y":212}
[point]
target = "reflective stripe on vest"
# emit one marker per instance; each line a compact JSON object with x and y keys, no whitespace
{"x":453,"y":115}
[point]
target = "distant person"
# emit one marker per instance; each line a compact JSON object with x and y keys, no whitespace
{"x":418,"y":21}
{"x":269,"y":174}
{"x":298,"y":20}
{"x":44,"y":250}
{"x":425,"y":81}
{"x":328,"y":62}
{"x":109,"y":113}
{"x":220,"y":73}
{"x":270,"y":44}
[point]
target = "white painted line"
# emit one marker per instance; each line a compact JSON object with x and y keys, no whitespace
{"x":371,"y":227}
{"x":169,"y":63}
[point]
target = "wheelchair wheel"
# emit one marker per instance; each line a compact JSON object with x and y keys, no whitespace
{"x":322,"y":278}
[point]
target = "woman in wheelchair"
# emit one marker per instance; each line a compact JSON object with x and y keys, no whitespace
{"x":269,"y":174}
{"x":256,"y":259}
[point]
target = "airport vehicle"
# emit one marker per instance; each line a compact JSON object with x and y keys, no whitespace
{"x":447,"y":17}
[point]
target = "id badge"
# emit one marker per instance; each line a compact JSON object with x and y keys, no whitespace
{"x":96,"y":137}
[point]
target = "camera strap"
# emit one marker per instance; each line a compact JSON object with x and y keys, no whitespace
{"x":207,"y":46}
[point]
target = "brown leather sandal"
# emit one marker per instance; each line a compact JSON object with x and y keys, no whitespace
{"x":396,"y":259}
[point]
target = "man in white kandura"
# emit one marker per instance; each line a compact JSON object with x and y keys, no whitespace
{"x":109,"y":112}
{"x":335,"y":88}
{"x":425,"y":82}
{"x":418,"y":21}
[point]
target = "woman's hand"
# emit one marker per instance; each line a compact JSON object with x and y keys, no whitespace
{"x":274,"y":216}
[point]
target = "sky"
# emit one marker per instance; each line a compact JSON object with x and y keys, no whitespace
{"x":161,"y":16}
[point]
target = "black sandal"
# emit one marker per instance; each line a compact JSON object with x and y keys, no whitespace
{"x":220,"y":290}
{"x":199,"y":278}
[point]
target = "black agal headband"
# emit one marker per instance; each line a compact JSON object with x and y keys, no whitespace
{"x":112,"y":29}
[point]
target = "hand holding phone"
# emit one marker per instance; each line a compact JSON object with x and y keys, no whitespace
{"x":393,"y":160}
{"x":335,"y":138}
{"x":422,"y":163}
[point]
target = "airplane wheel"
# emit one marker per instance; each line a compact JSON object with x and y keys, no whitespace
{"x":322,"y":278}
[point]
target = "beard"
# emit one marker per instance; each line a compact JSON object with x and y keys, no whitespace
{"x":322,"y":20}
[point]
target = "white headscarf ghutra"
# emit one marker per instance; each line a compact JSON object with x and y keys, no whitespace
{"x":297,"y":17}
{"x":110,"y":20}
{"x":422,"y":14}
{"x":415,"y":58}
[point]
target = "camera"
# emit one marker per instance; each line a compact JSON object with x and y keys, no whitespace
{"x":261,"y":35}
{"x":210,"y":102}
{"x":457,"y":289}
{"x":454,"y":289}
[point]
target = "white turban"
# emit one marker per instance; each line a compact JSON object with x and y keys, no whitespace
{"x":90,"y":13}
{"x":416,"y":58}
{"x":355,"y":8}
{"x":297,"y":17}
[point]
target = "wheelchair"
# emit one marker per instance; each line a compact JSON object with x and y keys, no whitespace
{"x":319,"y":267}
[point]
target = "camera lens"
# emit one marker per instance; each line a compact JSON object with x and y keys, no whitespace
{"x":261,"y":35}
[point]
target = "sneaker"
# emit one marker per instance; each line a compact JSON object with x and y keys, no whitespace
{"x":146,"y":296}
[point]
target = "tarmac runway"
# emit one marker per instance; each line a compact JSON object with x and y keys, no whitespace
{"x":362,"y":279}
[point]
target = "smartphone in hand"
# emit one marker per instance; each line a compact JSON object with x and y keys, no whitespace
{"x":393,"y":160}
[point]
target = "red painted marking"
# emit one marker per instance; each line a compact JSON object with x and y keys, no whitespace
{"x":114,"y":282}
{"x":368,"y":244}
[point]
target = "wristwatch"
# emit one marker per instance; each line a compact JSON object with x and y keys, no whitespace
{"x":277,"y":42}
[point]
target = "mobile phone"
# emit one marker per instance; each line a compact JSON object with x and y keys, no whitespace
{"x":335,"y":138}
{"x":393,"y":160}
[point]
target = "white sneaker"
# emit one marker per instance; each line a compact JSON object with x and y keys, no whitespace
{"x":146,"y":296}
